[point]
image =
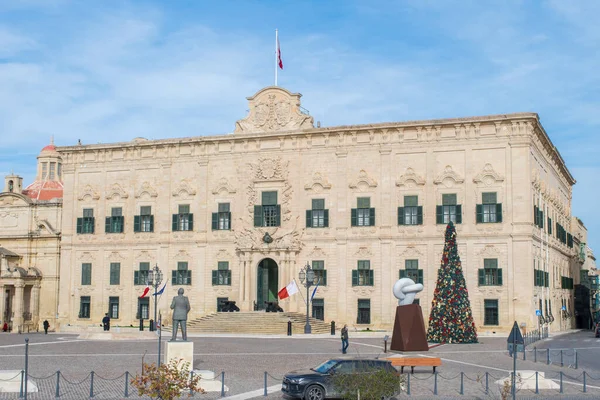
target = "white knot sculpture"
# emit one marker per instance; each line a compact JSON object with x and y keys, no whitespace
{"x":405,"y":290}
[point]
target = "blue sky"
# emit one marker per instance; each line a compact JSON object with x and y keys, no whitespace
{"x":105,"y":71}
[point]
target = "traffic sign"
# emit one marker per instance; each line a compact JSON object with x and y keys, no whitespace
{"x":515,"y":335}
{"x":564,"y":308}
{"x":538,"y":313}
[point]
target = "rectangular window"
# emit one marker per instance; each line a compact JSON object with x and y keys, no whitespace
{"x":318,"y":216}
{"x":114,"y":223}
{"x":411,"y":270}
{"x":59,"y":171}
{"x":490,"y":274}
{"x":411,"y":213}
{"x":490,"y":312}
{"x":318,"y":267}
{"x":449,"y":210}
{"x":221,"y":220}
{"x":52,"y":171}
{"x":86,"y":223}
{"x":115,"y":273}
{"x":143,"y":308}
{"x":364,"y":311}
{"x":146,"y":219}
{"x":113,"y":307}
{"x":269,"y":212}
{"x":490,"y":211}
{"x":271,"y":215}
{"x":181,"y":276}
{"x":318,"y":309}
{"x":84,"y":306}
{"x":363,"y":214}
{"x":140,"y":277}
{"x":86,"y":274}
{"x":183,"y":220}
{"x":222,"y":275}
{"x":363,"y":275}
{"x":44,"y":171}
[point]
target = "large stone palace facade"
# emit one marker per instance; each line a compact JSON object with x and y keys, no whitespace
{"x":237,"y":216}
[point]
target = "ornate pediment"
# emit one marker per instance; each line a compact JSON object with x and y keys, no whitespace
{"x":89,"y":191}
{"x":223,"y":255}
{"x":274,"y":109}
{"x":449,"y":177}
{"x":363,"y":252}
{"x":489,"y":251}
{"x":488,"y":176}
{"x":318,"y":183}
{"x":182,"y":255}
{"x":363,"y":181}
{"x":116,"y":256}
{"x":268,"y":169}
{"x":412,"y":251}
{"x":317,"y":253}
{"x":184,"y":189}
{"x":147,"y":189}
{"x":116,"y":190}
{"x":410,"y":178}
{"x":86,"y":256}
{"x":223,"y":186}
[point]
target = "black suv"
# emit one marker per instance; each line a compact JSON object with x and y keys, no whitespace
{"x":314,"y":384}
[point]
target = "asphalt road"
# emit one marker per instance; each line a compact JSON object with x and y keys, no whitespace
{"x":584,"y":342}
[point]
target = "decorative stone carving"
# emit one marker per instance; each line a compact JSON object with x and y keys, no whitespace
{"x":184,"y":188}
{"x":223,"y":185}
{"x":253,"y":239}
{"x":363,"y":182}
{"x":115,"y":256}
{"x":489,"y":251}
{"x":116,"y":190}
{"x":89,"y":191}
{"x":86,"y":256}
{"x":148,"y":189}
{"x":317,"y":253}
{"x":182,"y":255}
{"x":9,"y":219}
{"x":410,"y":178}
{"x":318,"y":183}
{"x":363,"y":291}
{"x":412,"y":251}
{"x":274,"y":109}
{"x":488,"y":176}
{"x":363,"y":252}
{"x":144,"y":256}
{"x":449,"y":177}
{"x":268,"y":169}
{"x":222,"y":255}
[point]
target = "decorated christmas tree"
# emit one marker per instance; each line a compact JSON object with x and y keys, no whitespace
{"x":451,"y":320}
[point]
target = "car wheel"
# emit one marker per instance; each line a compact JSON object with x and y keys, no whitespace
{"x":314,"y":392}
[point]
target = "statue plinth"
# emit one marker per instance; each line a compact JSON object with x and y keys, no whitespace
{"x":180,"y":350}
{"x":409,"y":329}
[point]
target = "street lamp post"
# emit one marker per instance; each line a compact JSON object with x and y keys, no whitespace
{"x":307,"y":278}
{"x":155,"y":277}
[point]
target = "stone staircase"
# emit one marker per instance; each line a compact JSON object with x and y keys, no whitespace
{"x":254,"y":322}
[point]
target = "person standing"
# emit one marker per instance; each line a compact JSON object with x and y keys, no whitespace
{"x":46,"y":326}
{"x":106,"y":322}
{"x":344,"y":339}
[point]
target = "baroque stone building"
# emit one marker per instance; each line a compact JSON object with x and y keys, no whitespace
{"x":236,"y":216}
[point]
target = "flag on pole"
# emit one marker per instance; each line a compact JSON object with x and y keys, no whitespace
{"x":287,"y":291}
{"x":314,"y":291}
{"x":161,"y":290}
{"x":146,"y":290}
{"x":279,"y":60}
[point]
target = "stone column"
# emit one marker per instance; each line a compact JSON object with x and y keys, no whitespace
{"x":242,"y":265}
{"x":250,"y":277}
{"x":35,"y":303}
{"x":18,"y":306}
{"x":2,"y":303}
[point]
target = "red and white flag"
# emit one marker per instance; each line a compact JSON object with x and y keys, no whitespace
{"x":279,"y":60}
{"x":146,"y":290}
{"x":287,"y":291}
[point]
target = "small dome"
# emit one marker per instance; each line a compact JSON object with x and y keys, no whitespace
{"x":49,"y":148}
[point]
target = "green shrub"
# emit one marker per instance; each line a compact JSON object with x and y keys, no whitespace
{"x":372,"y":385}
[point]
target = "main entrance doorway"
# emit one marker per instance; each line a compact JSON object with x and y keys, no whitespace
{"x":267,"y":283}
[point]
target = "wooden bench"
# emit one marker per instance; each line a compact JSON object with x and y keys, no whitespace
{"x":413,"y":362}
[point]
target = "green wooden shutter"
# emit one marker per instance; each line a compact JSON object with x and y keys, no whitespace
{"x":175,"y":221}
{"x":136,"y":223}
{"x":278,"y":216}
{"x":191,"y":221}
{"x":93,"y":224}
{"x":549,"y":226}
{"x":152,"y":223}
{"x":499,"y":212}
{"x":324,"y":279}
{"x":173,"y":277}
{"x":354,"y":277}
{"x":500,"y":276}
{"x":326,"y":218}
{"x":402,"y":273}
{"x":136,"y":277}
{"x":215,"y":277}
{"x":459,"y":214}
{"x":189,"y":277}
{"x":258,"y":216}
{"x":371,"y":277}
{"x":420,"y":272}
{"x":309,"y":218}
{"x":420,"y":215}
{"x":215,"y":221}
{"x":229,"y":218}
{"x":439,"y":214}
{"x":400,"y":215}
{"x":481,"y":277}
{"x":371,"y":217}
{"x":542,"y":219}
{"x":536,"y":215}
{"x":107,"y":225}
{"x":479,"y":213}
{"x":353,"y":217}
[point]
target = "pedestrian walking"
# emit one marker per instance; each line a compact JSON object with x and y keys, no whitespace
{"x":106,"y":322}
{"x":46,"y":326}
{"x":344,"y":339}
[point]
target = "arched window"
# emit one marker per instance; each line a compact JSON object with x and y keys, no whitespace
{"x":10,"y":186}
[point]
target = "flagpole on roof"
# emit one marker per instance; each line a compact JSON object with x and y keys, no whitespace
{"x":276,"y":53}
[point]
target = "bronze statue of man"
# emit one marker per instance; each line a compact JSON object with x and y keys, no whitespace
{"x":181,"y":307}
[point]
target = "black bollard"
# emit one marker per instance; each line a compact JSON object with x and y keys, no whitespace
{"x":333,"y":328}
{"x":151,"y":327}
{"x":289,"y":332}
{"x":141,"y":324}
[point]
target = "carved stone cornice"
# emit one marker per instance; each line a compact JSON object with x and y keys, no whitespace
{"x":488,"y":176}
{"x":184,"y":189}
{"x":410,"y":176}
{"x":89,"y":191}
{"x":116,"y":190}
{"x":363,"y":181}
{"x":146,"y":188}
{"x":448,"y":174}
{"x":318,"y":183}
{"x":223,"y":186}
